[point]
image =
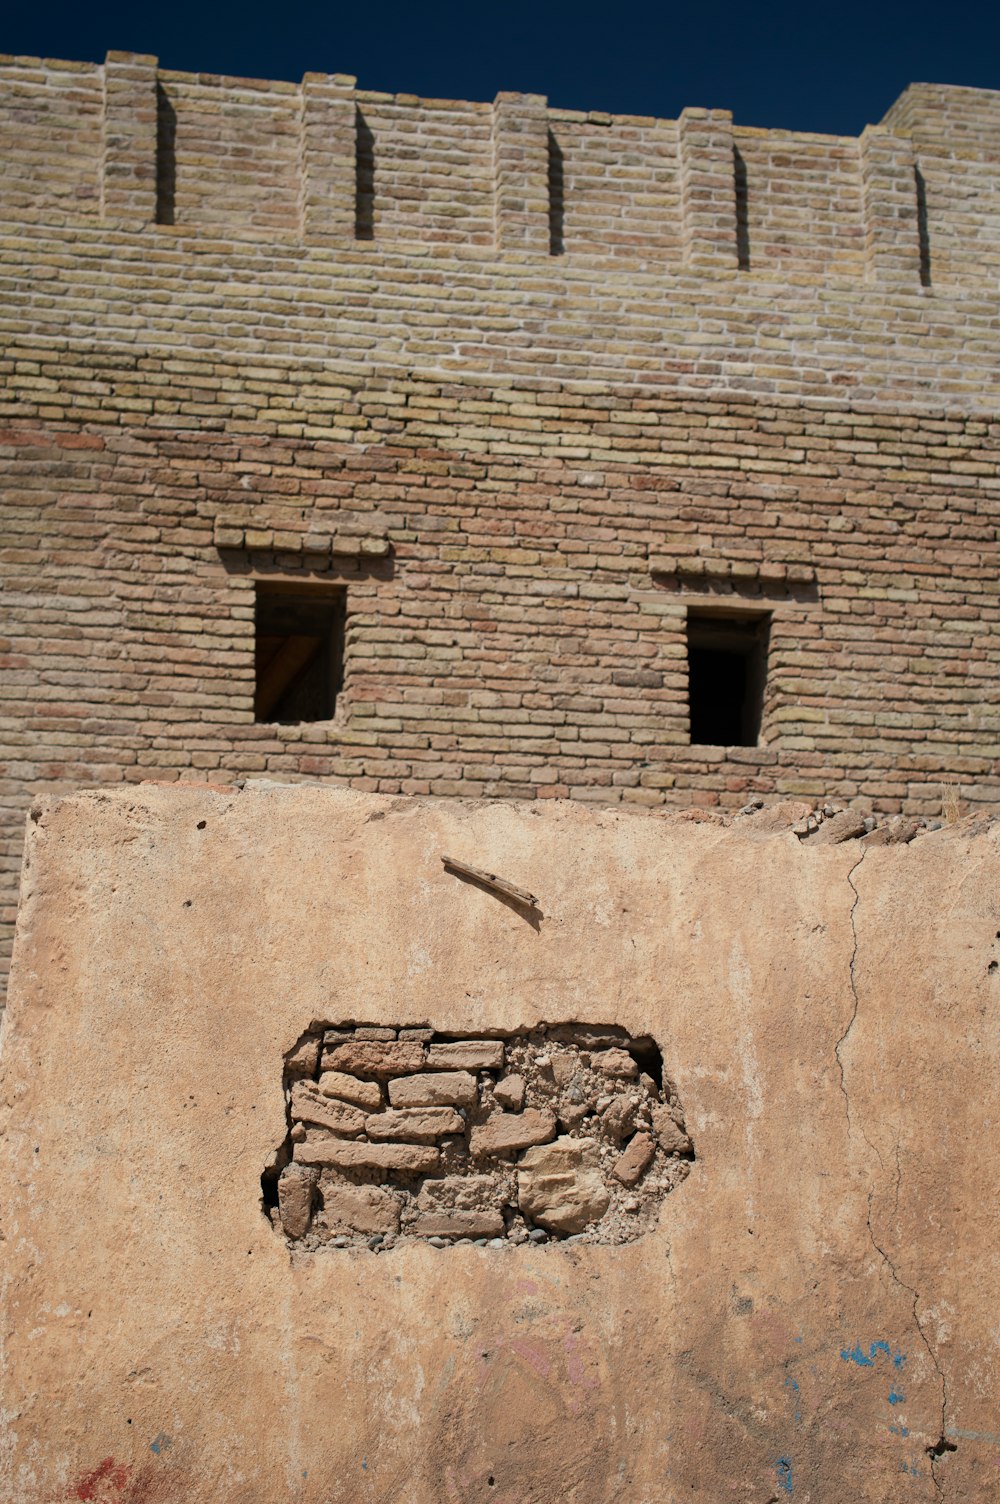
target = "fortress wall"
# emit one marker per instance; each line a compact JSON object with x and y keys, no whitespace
{"x":887,"y":341}
{"x":431,"y":166}
{"x":51,"y":127}
{"x":803,"y":204}
{"x":233,"y":155}
{"x":524,"y":467}
{"x":618,"y":187}
{"x":519,"y":562}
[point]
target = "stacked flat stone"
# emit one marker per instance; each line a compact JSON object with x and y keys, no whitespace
{"x":407,"y":1133}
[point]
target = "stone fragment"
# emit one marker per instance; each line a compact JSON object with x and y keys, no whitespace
{"x":843,"y":827}
{"x":354,"y":1154}
{"x":435,"y":1089}
{"x":896,"y":832}
{"x":423,"y":1035}
{"x":616,"y":1063}
{"x":358,"y":1208}
{"x":418,"y":1125}
{"x":781,"y":816}
{"x":309,"y":1105}
{"x":370,"y":1031}
{"x":572,"y":1116}
{"x":350,"y":1089}
{"x":303,"y":1060}
{"x":484,"y":1223}
{"x":588,"y":1037}
{"x":457,"y":1193}
{"x":636,"y":1160}
{"x":333,"y":1037}
{"x":510,"y":1092}
{"x":560,"y":1185}
{"x":369,"y":1057}
{"x":564,"y":1068}
{"x":467,"y":1055}
{"x":620,"y":1117}
{"x":505,"y":1131}
{"x":295,"y":1196}
{"x":669,"y":1133}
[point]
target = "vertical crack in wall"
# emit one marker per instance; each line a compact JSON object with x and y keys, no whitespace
{"x":841,"y":1042}
{"x":935,"y":1450}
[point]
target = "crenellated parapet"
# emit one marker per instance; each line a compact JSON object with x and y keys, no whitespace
{"x":915,"y":201}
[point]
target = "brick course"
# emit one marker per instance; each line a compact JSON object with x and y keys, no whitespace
{"x":530,"y":384}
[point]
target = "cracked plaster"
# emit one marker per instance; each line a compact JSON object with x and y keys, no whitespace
{"x":812,"y":1318}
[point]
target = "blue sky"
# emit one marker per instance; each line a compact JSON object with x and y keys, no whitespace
{"x":803,"y":66}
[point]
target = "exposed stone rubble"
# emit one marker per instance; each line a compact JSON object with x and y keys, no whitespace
{"x":570,"y":1131}
{"x":829,"y":824}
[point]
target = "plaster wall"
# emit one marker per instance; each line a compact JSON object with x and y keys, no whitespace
{"x":813,"y":1316}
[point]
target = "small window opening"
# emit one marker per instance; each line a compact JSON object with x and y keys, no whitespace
{"x":727,"y":669}
{"x":298,"y":652}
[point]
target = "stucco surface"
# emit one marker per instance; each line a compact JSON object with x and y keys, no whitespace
{"x":816,"y":1308}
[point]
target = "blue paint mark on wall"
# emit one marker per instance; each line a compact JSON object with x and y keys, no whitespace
{"x":783,"y":1473}
{"x":895,"y":1398}
{"x":900,"y":1430}
{"x":161,"y":1443}
{"x":857,"y":1354}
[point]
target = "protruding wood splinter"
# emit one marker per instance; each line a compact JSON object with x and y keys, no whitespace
{"x":490,"y":880}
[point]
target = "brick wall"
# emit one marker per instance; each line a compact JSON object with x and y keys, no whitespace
{"x":252,"y":331}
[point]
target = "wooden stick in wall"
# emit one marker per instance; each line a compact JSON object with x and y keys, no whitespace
{"x":490,"y":880}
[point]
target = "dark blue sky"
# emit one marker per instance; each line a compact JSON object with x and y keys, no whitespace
{"x":805,"y":66}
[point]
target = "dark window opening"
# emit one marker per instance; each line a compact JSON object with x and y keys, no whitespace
{"x":727,"y":669}
{"x":298,"y":653}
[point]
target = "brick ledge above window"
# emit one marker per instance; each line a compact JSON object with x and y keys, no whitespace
{"x":227,"y":535}
{"x":702,"y":568}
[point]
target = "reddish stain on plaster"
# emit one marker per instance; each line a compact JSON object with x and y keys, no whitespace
{"x":113,"y":1482}
{"x":108,"y":1477}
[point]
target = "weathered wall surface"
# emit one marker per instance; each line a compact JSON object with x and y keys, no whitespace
{"x":531,"y":384}
{"x":814,"y":1311}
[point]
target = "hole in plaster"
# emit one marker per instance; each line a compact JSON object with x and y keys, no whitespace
{"x":569,"y":1131}
{"x":941,"y":1446}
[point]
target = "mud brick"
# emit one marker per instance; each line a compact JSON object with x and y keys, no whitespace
{"x":636,"y":1159}
{"x":310,"y":1105}
{"x":374,"y":1058}
{"x":487,"y":1223}
{"x":295,"y":1199}
{"x":435,"y":1089}
{"x":303,"y":1060}
{"x":367,"y":1094}
{"x":504,"y":1131}
{"x":467,"y":1055}
{"x":351,"y":1154}
{"x":358,"y":1208}
{"x":418,"y":1125}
